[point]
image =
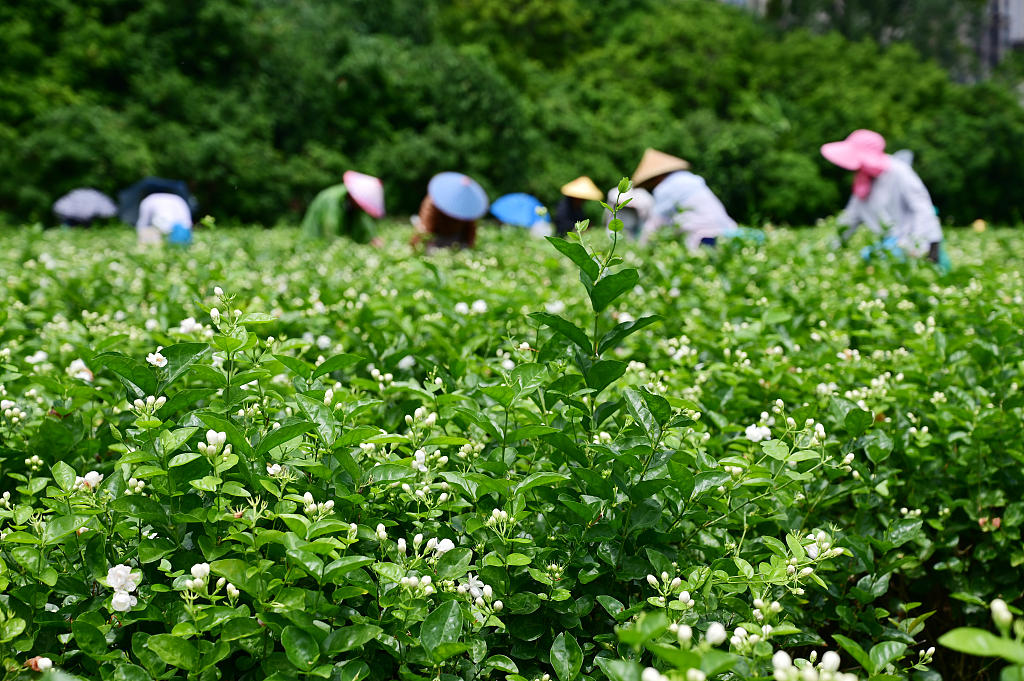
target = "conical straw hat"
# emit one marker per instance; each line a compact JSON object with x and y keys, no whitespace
{"x":656,"y":163}
{"x":583,"y":188}
{"x":367,"y":191}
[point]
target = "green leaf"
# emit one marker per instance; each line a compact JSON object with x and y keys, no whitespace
{"x":603,"y":373}
{"x":131,"y":672}
{"x":336,"y":363}
{"x":301,"y":647}
{"x":577,"y":254}
{"x":850,"y":646}
{"x":61,"y":527}
{"x":983,"y":643}
{"x":886,"y":652}
{"x":502,"y":394}
{"x":183,"y":398}
{"x":179,"y":358}
{"x":566,"y":657}
{"x":619,"y":670}
{"x":171,"y":440}
{"x":309,"y":562}
{"x":321,"y":415}
{"x":443,"y":625}
{"x":857,"y":421}
{"x":283,"y":434}
{"x":63,"y":475}
{"x":89,"y":638}
{"x":538,"y":479}
{"x":256,"y":318}
{"x":502,"y":663}
{"x":454,"y":564}
{"x":137,"y":378}
{"x":342,"y":566}
{"x":566,"y":328}
{"x":637,"y":407}
{"x":624,"y":330}
{"x":296,"y":365}
{"x":239,"y":627}
{"x":611,"y":287}
{"x":175,"y":651}
{"x":878,"y":445}
{"x":142,"y":508}
{"x":347,"y":638}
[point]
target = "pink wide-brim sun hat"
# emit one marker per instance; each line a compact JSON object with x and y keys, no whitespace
{"x":862,"y":148}
{"x":367,"y":191}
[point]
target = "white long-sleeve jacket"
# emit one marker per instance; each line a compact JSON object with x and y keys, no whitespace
{"x":684,"y":200}
{"x":898,"y":206}
{"x":163,"y":211}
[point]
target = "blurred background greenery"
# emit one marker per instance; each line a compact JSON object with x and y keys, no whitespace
{"x":258,"y":104}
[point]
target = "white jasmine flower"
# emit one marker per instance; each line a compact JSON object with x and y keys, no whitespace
{"x":37,"y":357}
{"x":122,"y":601}
{"x":156,"y":359}
{"x":479,"y":306}
{"x":830,"y":661}
{"x":78,"y":369}
{"x":716,"y":634}
{"x":757,"y":433}
{"x":555,"y":307}
{"x":121,"y":578}
{"x":461,"y":308}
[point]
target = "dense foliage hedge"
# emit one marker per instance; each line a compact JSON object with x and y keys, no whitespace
{"x":260,"y":103}
{"x":256,"y":458}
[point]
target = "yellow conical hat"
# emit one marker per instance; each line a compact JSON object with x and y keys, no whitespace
{"x":656,"y":163}
{"x":583,"y":188}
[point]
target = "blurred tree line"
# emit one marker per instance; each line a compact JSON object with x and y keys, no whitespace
{"x":260,"y":103}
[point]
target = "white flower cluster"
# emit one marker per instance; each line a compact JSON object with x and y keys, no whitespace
{"x":190,"y":326}
{"x":275,"y":470}
{"x":200,"y":571}
{"x":149,"y":406}
{"x":89,"y":483}
{"x":422,"y":494}
{"x":471,"y":451}
{"x":910,"y":512}
{"x":135,"y":487}
{"x":819,"y":548}
{"x":78,"y":369}
{"x":422,"y":584}
{"x":311,"y":508}
{"x":421,"y":459}
{"x":34,"y":463}
{"x":5,"y":500}
{"x":668,"y":586}
{"x":383,"y":380}
{"x":498,"y":517}
{"x":786,"y":669}
{"x":199,"y":584}
{"x":214,"y":445}
{"x":123,"y":581}
{"x":762,"y":608}
{"x":925,"y":329}
{"x":756,"y":433}
{"x":482,"y":595}
{"x":11,"y":412}
{"x":478,"y":307}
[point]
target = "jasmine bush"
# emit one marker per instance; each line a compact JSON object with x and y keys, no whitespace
{"x":574,"y":460}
